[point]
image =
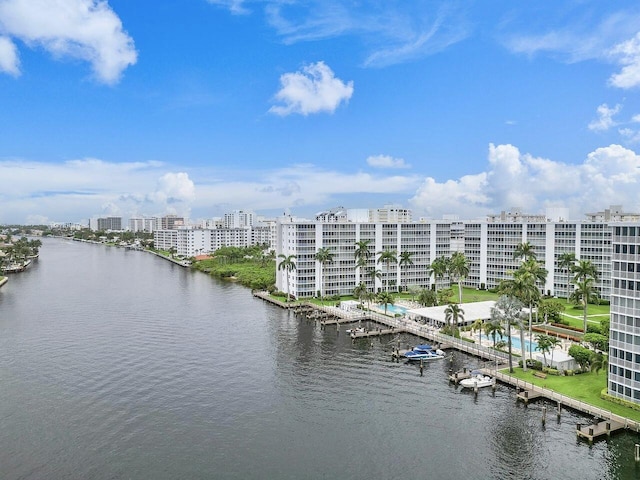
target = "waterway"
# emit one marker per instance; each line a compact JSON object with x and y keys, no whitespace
{"x":117,"y":364}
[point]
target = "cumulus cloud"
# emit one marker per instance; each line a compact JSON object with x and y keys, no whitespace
{"x":9,"y":61}
{"x":628,"y":54}
{"x":605,"y":118}
{"x":608,"y":175}
{"x":88,"y":30}
{"x":386,"y":161}
{"x":174,"y":188}
{"x":314,"y":89}
{"x":81,"y":188}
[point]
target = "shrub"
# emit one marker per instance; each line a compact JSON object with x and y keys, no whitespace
{"x":593,"y":328}
{"x":551,"y":371}
{"x":569,"y":373}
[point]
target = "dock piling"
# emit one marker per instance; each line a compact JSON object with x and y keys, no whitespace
{"x":637,"y":452}
{"x":544,"y":415}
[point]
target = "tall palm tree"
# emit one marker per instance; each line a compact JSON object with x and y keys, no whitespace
{"x":524,"y":251}
{"x":323,"y":257}
{"x":405,"y":259}
{"x":567,"y":261}
{"x":585,"y":275}
{"x":362,"y":253}
{"x":522,"y":287}
{"x":439,"y":267}
{"x":452,"y":314}
{"x":507,"y":310}
{"x":544,"y":345}
{"x":459,"y":269}
{"x":584,"y":293}
{"x":287,"y":264}
{"x":387,"y":256}
{"x":583,"y":269}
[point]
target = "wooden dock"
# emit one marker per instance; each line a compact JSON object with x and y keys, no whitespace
{"x":376,"y":332}
{"x":592,"y":432}
{"x":460,"y":375}
{"x":527,"y":395}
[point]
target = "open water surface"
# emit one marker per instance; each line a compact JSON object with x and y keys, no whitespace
{"x":117,"y":364}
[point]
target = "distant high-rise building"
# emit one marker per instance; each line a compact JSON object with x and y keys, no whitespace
{"x":113,"y":224}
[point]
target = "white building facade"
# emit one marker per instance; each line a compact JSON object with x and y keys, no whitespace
{"x":624,"y":342}
{"x":488,"y":246}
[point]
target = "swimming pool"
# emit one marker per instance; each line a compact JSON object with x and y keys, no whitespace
{"x":393,"y":309}
{"x":515,"y":341}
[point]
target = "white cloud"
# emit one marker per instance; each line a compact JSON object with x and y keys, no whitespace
{"x":88,"y":30}
{"x":390,"y":32}
{"x":9,"y":61}
{"x":628,"y":54}
{"x":609,"y":175}
{"x":636,"y":118}
{"x":313,"y":89}
{"x":605,"y":118}
{"x":175,"y":187}
{"x":386,"y":161}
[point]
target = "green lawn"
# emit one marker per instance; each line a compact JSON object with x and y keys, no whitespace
{"x":585,"y":387}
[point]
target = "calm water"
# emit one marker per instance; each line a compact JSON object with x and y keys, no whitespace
{"x":118,"y":365}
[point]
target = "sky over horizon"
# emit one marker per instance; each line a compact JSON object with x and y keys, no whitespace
{"x":206,"y":106}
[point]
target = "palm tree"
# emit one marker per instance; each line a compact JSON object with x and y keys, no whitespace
{"x":360,"y":292}
{"x":508,"y":310}
{"x":477,"y":326}
{"x":544,"y":345}
{"x":385,"y":298}
{"x":598,"y":361}
{"x":584,"y":293}
{"x":387,"y":256}
{"x":567,"y":261}
{"x":522,"y":287}
{"x":452,"y":314}
{"x":584,"y":269}
{"x":524,"y":251}
{"x":554,"y":342}
{"x":459,"y":268}
{"x":533,"y":268}
{"x":362,"y":253}
{"x":439,"y":267}
{"x":375,"y":273}
{"x":492,"y":328}
{"x":405,"y":259}
{"x":287,"y":264}
{"x":323,"y":256}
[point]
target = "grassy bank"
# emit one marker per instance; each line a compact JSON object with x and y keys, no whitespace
{"x":585,"y":387}
{"x":248,"y":266}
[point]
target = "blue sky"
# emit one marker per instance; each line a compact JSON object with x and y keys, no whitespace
{"x":199,"y":107}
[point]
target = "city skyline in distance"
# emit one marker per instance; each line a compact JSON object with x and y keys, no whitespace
{"x":198,"y":109}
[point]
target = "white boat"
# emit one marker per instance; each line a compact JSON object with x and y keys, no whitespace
{"x":356,"y":330}
{"x":477,"y":379}
{"x":416,"y":355}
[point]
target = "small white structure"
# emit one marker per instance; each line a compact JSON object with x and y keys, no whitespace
{"x":349,"y":305}
{"x":436,"y":315}
{"x":561,"y":360}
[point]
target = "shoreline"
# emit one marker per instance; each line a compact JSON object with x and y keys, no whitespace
{"x":429,"y":333}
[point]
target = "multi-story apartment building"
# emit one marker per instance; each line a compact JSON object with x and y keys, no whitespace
{"x":624,"y":344}
{"x":109,"y":223}
{"x":487,"y":244}
{"x":142,"y":224}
